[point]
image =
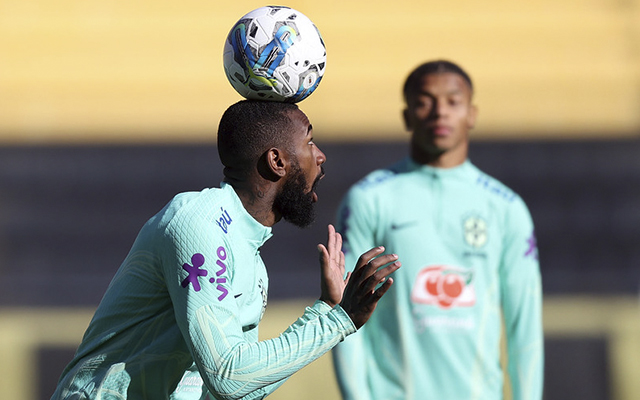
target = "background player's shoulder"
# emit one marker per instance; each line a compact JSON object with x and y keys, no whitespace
{"x":383,"y":176}
{"x":493,"y":187}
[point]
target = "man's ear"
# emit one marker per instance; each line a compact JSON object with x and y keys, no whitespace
{"x":405,"y":118}
{"x":276,"y":163}
{"x":472,"y":116}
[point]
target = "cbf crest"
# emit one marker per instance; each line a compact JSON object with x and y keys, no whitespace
{"x":475,"y":231}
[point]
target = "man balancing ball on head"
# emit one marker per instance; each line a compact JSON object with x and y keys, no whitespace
{"x":188,"y":298}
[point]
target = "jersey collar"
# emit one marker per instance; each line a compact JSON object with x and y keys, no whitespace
{"x":459,"y":170}
{"x":250,"y":228}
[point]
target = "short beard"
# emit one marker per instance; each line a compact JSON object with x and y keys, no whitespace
{"x":293,"y":203}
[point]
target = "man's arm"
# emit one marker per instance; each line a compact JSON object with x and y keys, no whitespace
{"x":521,"y":291}
{"x":230,"y":365}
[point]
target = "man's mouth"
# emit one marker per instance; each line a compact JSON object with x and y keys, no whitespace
{"x":314,"y":196}
{"x":441,"y":130}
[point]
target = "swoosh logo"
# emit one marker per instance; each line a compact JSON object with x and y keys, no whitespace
{"x":403,"y":225}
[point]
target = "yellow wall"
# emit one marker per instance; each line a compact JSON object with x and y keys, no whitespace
{"x":143,"y":70}
{"x":616,"y":319}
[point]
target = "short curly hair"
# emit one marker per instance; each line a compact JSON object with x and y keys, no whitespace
{"x":248,"y":128}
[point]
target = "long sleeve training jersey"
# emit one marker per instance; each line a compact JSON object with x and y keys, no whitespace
{"x":187,"y":301}
{"x":469,"y":258}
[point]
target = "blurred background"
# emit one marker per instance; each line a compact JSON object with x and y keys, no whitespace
{"x":108,"y":108}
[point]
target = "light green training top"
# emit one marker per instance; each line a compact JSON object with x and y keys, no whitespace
{"x":187,"y":301}
{"x":469,"y":256}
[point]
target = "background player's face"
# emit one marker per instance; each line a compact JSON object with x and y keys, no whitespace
{"x":295,"y":202}
{"x":440,"y":115}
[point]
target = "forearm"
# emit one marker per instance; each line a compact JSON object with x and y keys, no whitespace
{"x":318,"y":308}
{"x":233,"y":369}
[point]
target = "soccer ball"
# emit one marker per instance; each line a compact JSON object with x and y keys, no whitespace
{"x":274,"y":53}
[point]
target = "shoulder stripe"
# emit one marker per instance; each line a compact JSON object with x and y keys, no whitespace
{"x":495,"y":187}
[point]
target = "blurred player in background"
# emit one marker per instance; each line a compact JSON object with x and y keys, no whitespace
{"x":193,"y":289}
{"x":469,"y":258}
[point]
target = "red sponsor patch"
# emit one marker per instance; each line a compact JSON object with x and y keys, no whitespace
{"x":444,"y":286}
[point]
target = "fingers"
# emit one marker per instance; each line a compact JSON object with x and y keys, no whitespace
{"x":334,"y":243}
{"x":378,"y":293}
{"x":337,"y":253}
{"x":331,"y":238}
{"x":376,"y":274}
{"x":323,"y":253}
{"x":347,"y":278}
{"x":369,"y":268}
{"x":371,"y":272}
{"x":334,"y":240}
{"x":368,"y":256}
{"x":378,"y":262}
{"x":338,"y":250}
{"x":368,"y":283}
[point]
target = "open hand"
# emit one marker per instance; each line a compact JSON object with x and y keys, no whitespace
{"x":361,"y":296}
{"x":332,"y":281}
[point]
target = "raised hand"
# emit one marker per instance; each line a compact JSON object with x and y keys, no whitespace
{"x":361,"y":296}
{"x":332,"y":280}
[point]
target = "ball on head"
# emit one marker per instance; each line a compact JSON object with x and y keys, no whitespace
{"x":274,"y":53}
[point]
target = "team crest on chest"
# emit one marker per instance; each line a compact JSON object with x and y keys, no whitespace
{"x":475,"y":231}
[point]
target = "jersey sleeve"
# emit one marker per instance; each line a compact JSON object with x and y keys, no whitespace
{"x":355,"y":222}
{"x":521,"y":292}
{"x":231,"y":365}
{"x":319,"y":308}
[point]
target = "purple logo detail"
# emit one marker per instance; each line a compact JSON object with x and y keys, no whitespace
{"x":194,"y":272}
{"x":224,"y":221}
{"x":532,"y":250}
{"x":222,"y":255}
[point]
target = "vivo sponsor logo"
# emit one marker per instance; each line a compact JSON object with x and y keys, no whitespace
{"x":194,"y":271}
{"x":222,"y":256}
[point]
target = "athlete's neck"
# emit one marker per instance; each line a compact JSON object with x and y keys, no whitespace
{"x":443,"y":159}
{"x":257,"y":199}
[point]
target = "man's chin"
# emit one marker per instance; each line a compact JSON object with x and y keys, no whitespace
{"x":303,"y":222}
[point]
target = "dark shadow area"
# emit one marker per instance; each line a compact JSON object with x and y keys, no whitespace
{"x":68,"y":214}
{"x":576,"y":368}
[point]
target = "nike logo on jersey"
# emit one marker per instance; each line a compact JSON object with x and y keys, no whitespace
{"x":403,"y":225}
